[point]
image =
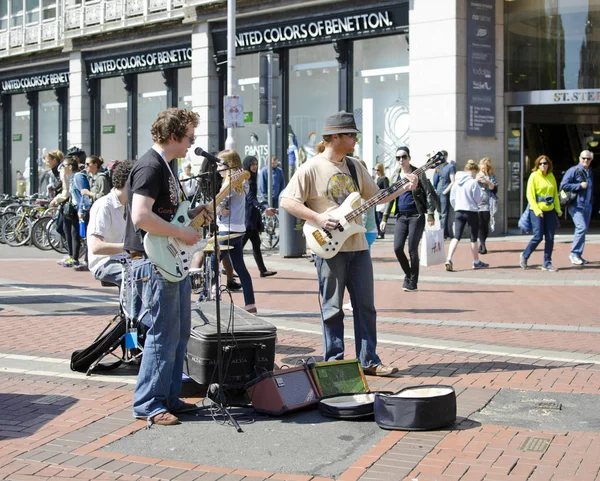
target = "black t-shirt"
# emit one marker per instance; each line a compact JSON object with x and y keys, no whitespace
{"x":150,"y":177}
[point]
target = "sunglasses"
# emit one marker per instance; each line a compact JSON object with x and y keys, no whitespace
{"x":543,"y":163}
{"x":352,"y":135}
{"x":401,"y":157}
{"x":586,"y":158}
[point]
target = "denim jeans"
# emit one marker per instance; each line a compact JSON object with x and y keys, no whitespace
{"x":581,"y":219}
{"x":445,"y":223}
{"x":111,"y":271}
{"x":409,"y":226}
{"x":165,"y":308}
{"x":237,"y":261}
{"x":543,"y":227}
{"x":352,"y":271}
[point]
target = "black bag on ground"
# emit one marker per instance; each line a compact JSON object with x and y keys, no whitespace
{"x":110,"y":338}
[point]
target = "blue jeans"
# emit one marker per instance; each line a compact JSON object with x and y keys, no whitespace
{"x":581,"y":219}
{"x":445,"y":223}
{"x":543,"y":227}
{"x":352,"y":271}
{"x":237,"y":261}
{"x":111,"y":271}
{"x":165,"y":308}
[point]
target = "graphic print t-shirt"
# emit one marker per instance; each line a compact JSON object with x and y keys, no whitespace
{"x":323,"y":184}
{"x":150,"y":177}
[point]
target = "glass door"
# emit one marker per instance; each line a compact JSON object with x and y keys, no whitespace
{"x":516,"y":177}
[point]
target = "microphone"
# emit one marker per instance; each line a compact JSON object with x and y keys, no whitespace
{"x":203,"y":153}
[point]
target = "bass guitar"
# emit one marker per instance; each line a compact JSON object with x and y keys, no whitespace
{"x":327,"y":243}
{"x":171,"y":256}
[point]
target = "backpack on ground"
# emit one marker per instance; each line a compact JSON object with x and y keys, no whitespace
{"x":111,"y":338}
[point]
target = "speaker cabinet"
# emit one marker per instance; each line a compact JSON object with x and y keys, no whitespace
{"x":282,"y":391}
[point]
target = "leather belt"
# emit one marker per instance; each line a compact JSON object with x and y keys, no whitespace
{"x":136,"y":255}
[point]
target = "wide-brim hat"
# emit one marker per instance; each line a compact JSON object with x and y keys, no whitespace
{"x":340,"y":123}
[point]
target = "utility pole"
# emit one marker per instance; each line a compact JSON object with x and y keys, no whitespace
{"x":230,"y":141}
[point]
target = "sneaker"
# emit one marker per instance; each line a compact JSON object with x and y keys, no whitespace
{"x":347,"y":306}
{"x":576,"y":261}
{"x":480,"y":265}
{"x":251,"y":308}
{"x":164,"y":419}
{"x":522,"y":261}
{"x":268,"y":273}
{"x":81,"y":267}
{"x":406,"y":283}
{"x":482,"y":249}
{"x":380,"y":370}
{"x":549,"y":267}
{"x":449,"y":266}
{"x":64,"y":259}
{"x":68,"y":263}
{"x":585,"y":261}
{"x":233,"y":285}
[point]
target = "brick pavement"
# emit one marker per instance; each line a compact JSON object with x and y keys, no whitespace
{"x":53,"y":427}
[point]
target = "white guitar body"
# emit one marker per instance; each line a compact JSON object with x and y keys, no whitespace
{"x":327,"y":243}
{"x":172,"y":257}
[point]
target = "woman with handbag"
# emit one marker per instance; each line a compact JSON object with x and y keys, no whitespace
{"x":542,"y":195}
{"x":254,"y":210}
{"x":410,"y":209}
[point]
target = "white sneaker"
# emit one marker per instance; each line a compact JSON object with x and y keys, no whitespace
{"x":576,"y":261}
{"x":347,"y":306}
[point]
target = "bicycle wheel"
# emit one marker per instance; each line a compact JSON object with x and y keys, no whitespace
{"x":3,"y":218}
{"x":17,"y":231}
{"x":269,"y":237}
{"x":55,"y":239}
{"x":39,"y":233}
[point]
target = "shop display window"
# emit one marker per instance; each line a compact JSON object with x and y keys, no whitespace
{"x":184,"y":88}
{"x":381,"y":74}
{"x":252,"y":139}
{"x":152,"y":99}
{"x":20,"y":114}
{"x":313,"y":96}
{"x":48,"y":122}
{"x":113,"y":119}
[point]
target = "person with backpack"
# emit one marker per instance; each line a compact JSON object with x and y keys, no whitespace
{"x":99,"y":178}
{"x":579,"y":180}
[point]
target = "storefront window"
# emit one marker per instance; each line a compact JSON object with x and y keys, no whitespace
{"x":47,"y":133}
{"x":313,"y":81}
{"x":381,"y":98}
{"x":184,"y":88}
{"x":113,"y":119}
{"x":152,"y":99}
{"x":252,"y":139}
{"x":20,"y":141}
{"x":552,"y":45}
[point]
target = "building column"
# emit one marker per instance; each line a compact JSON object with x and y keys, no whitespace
{"x":438,"y":89}
{"x":79,"y":105}
{"x":205,"y":91}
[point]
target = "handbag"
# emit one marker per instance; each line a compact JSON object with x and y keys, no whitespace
{"x":565,"y":197}
{"x":432,"y":248}
{"x":525,"y":221}
{"x":69,"y":210}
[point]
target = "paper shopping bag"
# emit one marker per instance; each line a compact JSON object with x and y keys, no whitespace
{"x":432,"y":248}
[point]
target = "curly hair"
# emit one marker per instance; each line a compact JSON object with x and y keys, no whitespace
{"x":174,"y":122}
{"x":120,"y":173}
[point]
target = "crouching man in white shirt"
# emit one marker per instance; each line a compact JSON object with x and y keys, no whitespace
{"x":106,"y":229}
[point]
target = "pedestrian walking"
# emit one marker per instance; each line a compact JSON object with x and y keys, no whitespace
{"x":443,"y":181}
{"x":488,"y":203}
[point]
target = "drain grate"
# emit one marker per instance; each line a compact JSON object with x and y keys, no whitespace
{"x":536,"y":445}
{"x":549,"y":404}
{"x":47,"y":399}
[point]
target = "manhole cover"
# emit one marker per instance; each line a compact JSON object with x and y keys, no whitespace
{"x":551,"y":404}
{"x":537,"y":445}
{"x":47,"y":399}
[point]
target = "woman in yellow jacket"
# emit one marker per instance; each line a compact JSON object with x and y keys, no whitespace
{"x":542,"y":195}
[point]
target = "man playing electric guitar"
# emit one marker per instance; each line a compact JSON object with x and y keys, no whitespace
{"x":153,"y":195}
{"x":323,"y":183}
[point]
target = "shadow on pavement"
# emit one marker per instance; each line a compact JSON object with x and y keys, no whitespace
{"x":454,"y":369}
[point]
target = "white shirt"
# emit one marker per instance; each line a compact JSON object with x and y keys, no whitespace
{"x":106,"y":220}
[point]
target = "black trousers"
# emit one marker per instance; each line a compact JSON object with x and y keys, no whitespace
{"x":254,"y":237}
{"x":484,"y":226}
{"x":409,"y":226}
{"x":71,"y":228}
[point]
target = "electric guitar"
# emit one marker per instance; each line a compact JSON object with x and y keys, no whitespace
{"x":327,"y":243}
{"x":172,"y":257}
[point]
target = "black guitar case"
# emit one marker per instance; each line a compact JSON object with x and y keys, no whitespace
{"x":419,"y":408}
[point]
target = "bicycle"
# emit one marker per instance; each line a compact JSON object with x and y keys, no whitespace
{"x":16,"y":230}
{"x":269,"y":237}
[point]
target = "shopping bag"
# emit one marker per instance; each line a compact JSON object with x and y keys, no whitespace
{"x":432,"y":248}
{"x":525,"y":221}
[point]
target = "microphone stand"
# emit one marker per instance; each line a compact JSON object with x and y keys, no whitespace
{"x":220,"y":396}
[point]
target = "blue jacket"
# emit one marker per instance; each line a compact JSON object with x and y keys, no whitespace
{"x":571,"y":182}
{"x":80,"y":181}
{"x":278,"y":182}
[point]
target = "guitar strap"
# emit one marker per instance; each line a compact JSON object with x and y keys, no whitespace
{"x":352,"y":169}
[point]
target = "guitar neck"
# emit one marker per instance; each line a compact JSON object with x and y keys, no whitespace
{"x":198,"y":221}
{"x":392,"y":189}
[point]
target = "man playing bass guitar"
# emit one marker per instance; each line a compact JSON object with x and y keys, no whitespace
{"x":153,"y":196}
{"x":319,"y":185}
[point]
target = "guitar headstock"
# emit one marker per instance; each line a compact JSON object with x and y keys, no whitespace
{"x":236,"y":179}
{"x":435,"y":160}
